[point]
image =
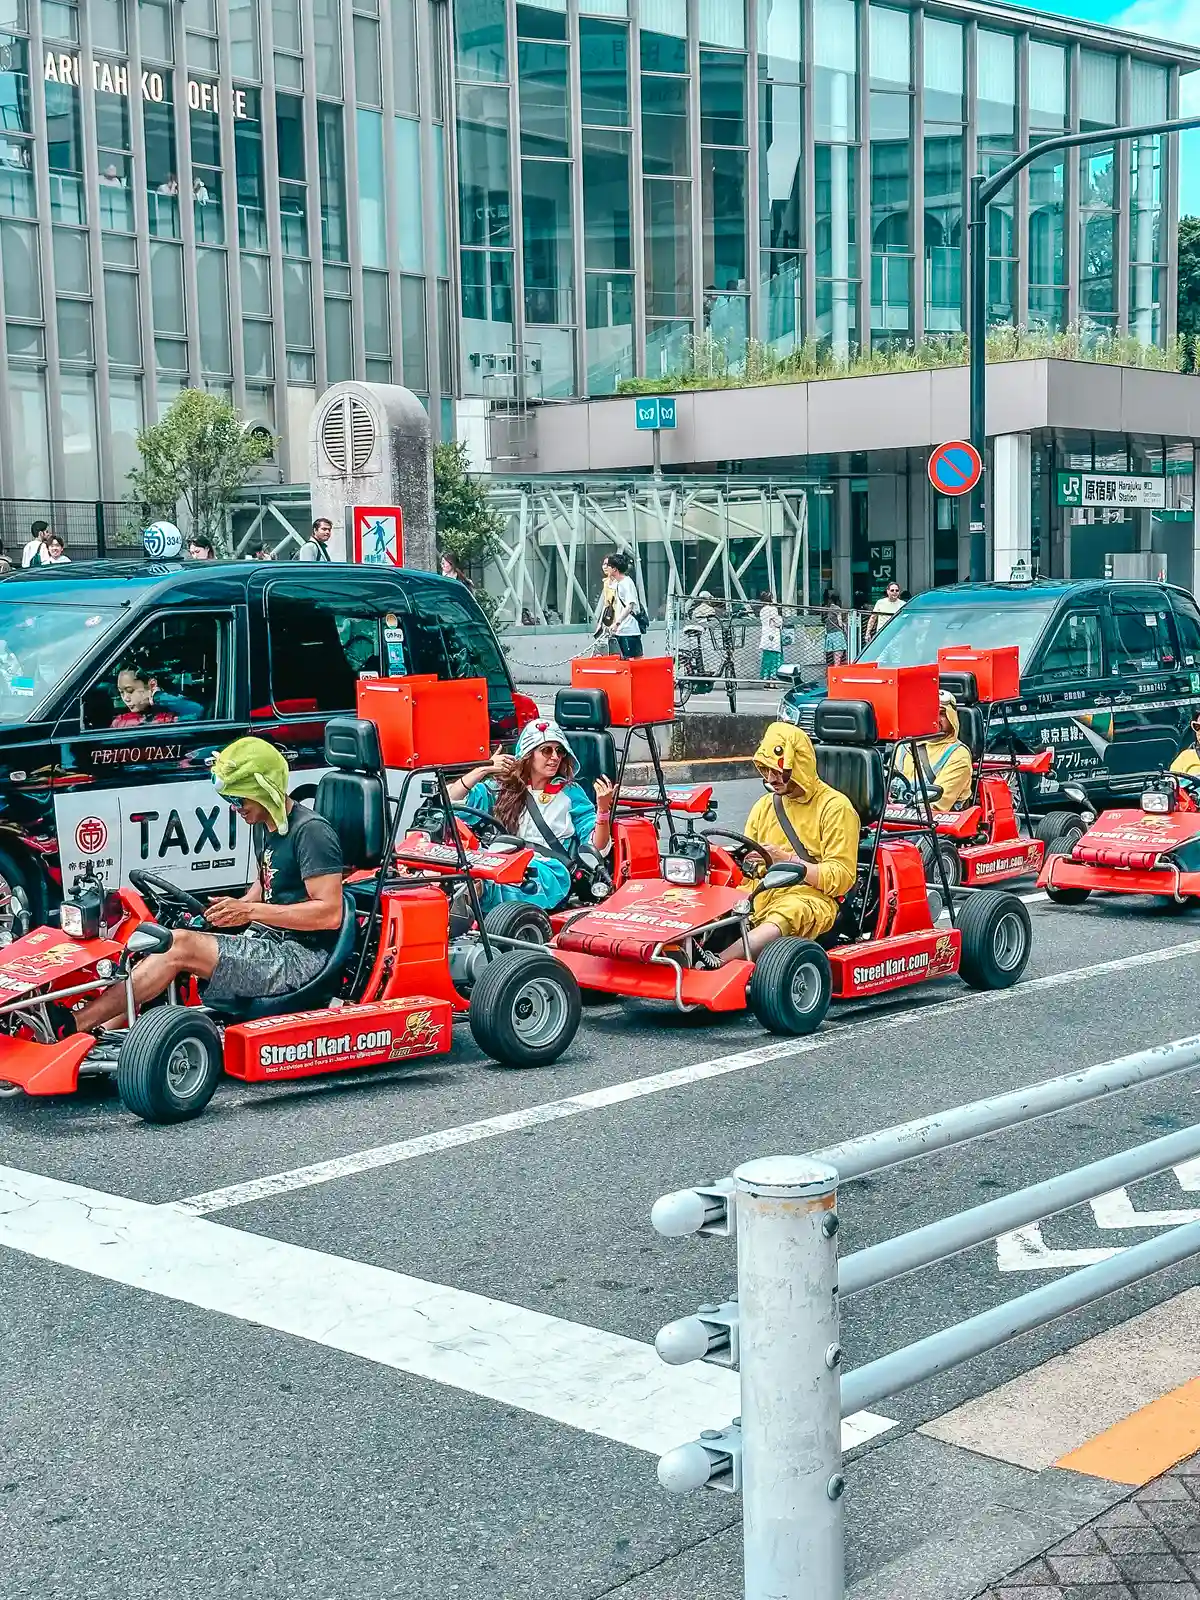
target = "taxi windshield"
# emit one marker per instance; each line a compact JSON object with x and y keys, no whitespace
{"x":915,"y":635}
{"x":39,"y":644}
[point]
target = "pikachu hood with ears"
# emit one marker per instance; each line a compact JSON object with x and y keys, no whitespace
{"x":821,"y":817}
{"x":784,"y":748}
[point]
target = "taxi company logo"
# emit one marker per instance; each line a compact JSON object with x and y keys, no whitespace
{"x":91,"y":836}
{"x":896,"y":967}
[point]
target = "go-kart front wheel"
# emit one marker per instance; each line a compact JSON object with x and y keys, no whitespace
{"x":519,"y":919}
{"x":525,"y":1008}
{"x":1059,"y":825}
{"x":1073,"y":896}
{"x":790,"y":986}
{"x":170,"y":1064}
{"x":996,"y":938}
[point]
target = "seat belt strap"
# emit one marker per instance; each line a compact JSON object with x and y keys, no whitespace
{"x":789,"y":833}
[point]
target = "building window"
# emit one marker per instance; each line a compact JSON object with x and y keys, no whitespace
{"x":1148,"y":103}
{"x":723,"y":177}
{"x":251,"y":183}
{"x":1047,"y":188}
{"x":996,"y":117}
{"x":409,"y":217}
{"x":835,"y":69}
{"x":542,"y":86}
{"x":372,"y":224}
{"x":293,"y":190}
{"x":113,"y":146}
{"x":122,"y":319}
{"x":331,"y":150}
{"x":162,"y":173}
{"x":1097,"y":195}
{"x":17,"y":194}
{"x":208,"y":209}
{"x":368,"y":72}
{"x":604,"y":73}
{"x":244,"y":39}
{"x":479,"y":35}
{"x":212,"y":284}
{"x":890,"y":129}
{"x":64,"y":139}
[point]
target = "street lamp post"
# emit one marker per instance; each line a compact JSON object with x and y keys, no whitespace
{"x":983,"y":192}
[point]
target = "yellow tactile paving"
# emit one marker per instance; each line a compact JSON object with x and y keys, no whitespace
{"x":1146,"y":1444}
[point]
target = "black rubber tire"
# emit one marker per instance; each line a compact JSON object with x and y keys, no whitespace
{"x":985,"y":921}
{"x":683,"y":691}
{"x":772,"y":991}
{"x":19,"y":871}
{"x":142,"y":1065}
{"x":517,"y":919}
{"x":1059,"y":825}
{"x":1064,"y":897}
{"x":500,"y":992}
{"x":929,"y":854}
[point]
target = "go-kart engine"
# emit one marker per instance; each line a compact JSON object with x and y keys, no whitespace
{"x":467,"y":961}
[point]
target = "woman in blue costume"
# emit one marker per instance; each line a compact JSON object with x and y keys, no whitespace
{"x":536,"y":783}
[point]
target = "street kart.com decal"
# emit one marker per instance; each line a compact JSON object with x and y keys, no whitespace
{"x":419,"y":1035}
{"x":989,"y":869}
{"x":638,"y":919}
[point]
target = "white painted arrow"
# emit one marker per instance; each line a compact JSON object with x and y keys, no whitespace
{"x":1024,"y":1250}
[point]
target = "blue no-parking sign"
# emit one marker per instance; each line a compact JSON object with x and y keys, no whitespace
{"x":955,"y":468}
{"x":655,"y":411}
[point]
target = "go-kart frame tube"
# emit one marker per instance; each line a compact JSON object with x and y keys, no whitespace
{"x":928,"y":830}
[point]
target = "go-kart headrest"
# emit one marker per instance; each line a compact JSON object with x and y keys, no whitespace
{"x":582,"y":708}
{"x":352,"y":745}
{"x":845,"y":722}
{"x":962,"y":685}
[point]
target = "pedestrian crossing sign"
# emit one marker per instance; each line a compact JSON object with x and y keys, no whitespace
{"x":379,"y":536}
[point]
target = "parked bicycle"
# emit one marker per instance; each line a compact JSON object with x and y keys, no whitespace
{"x":692,"y":673}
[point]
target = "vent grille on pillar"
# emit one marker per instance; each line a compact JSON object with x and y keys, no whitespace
{"x":348,"y":436}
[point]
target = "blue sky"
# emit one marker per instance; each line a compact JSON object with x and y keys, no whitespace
{"x":1165,"y":19}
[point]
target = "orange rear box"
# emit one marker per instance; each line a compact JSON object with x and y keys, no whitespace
{"x":638,"y":692}
{"x":424,"y":721}
{"x":997,"y":672}
{"x":905,"y":698}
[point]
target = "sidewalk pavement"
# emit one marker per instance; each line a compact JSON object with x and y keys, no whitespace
{"x":1144,"y":1548}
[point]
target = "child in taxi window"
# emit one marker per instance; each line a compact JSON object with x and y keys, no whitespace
{"x":146,"y":702}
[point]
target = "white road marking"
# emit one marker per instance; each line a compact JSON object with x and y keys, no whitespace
{"x":387,"y":1155}
{"x":1024,"y":1250}
{"x":581,"y":1377}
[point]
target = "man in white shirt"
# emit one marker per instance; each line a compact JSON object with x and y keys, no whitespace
{"x":885,"y":610}
{"x":620,"y":597}
{"x":35,"y":553}
{"x":313,"y":548}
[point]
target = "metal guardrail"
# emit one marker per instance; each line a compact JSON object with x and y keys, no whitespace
{"x":783,"y":1453}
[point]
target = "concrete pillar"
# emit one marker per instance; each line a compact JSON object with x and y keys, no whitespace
{"x":370,"y":445}
{"x":1012,"y":515}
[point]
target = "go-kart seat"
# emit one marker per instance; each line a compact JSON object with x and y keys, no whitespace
{"x":848,"y":755}
{"x":583,"y":716}
{"x":353,"y":799}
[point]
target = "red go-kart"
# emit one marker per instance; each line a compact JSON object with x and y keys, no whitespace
{"x":1151,"y":851}
{"x":657,"y":939}
{"x":390,"y":991}
{"x":984,"y":841}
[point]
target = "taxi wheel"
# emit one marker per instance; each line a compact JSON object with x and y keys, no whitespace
{"x":517,"y":919}
{"x":1065,"y":897}
{"x":525,"y":1008}
{"x":170,"y":1064}
{"x":996,"y":938}
{"x":1056,"y":825}
{"x":22,"y":896}
{"x":790,"y":986}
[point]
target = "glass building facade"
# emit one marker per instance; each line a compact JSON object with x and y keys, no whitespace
{"x":493,"y":200}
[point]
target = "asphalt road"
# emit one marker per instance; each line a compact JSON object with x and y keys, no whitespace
{"x":262,"y":1422}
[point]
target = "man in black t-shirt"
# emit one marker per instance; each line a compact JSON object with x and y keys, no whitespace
{"x":291,"y":913}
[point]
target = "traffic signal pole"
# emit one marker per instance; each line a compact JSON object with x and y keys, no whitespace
{"x":983,"y":192}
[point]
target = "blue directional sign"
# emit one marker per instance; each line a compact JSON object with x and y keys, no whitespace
{"x":655,"y":411}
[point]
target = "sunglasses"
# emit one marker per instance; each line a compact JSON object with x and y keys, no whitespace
{"x":549,"y":750}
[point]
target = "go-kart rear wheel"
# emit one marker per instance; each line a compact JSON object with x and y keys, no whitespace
{"x":996,"y":938}
{"x":790,"y":986}
{"x":169,"y":1064}
{"x":517,"y":919}
{"x":525,"y":1008}
{"x":1055,"y":825}
{"x":951,"y":860}
{"x":1066,"y":896}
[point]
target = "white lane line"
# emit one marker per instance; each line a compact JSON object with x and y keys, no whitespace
{"x":581,"y":1377}
{"x":387,"y":1155}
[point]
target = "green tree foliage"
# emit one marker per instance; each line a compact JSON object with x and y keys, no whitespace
{"x":200,"y":454}
{"x":1189,"y":290}
{"x":468,"y":528}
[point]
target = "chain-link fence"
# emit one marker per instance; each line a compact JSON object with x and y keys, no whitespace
{"x":732,"y":645}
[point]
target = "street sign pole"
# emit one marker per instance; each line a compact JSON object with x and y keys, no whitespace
{"x":656,"y":436}
{"x":983,"y":192}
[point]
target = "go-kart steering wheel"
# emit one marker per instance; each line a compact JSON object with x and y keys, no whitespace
{"x":743,"y":847}
{"x":163,"y":892}
{"x":480,"y":822}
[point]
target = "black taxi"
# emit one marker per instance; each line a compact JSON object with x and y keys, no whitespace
{"x":119,"y":680}
{"x":1110,"y":675}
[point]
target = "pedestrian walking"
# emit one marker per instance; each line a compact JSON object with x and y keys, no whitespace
{"x":885,"y":609}
{"x":313,"y":548}
{"x":617,"y":614}
{"x":35,"y":553}
{"x":770,"y":640}
{"x":834,"y":620}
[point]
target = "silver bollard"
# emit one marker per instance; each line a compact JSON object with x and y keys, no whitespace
{"x":791,"y":1410}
